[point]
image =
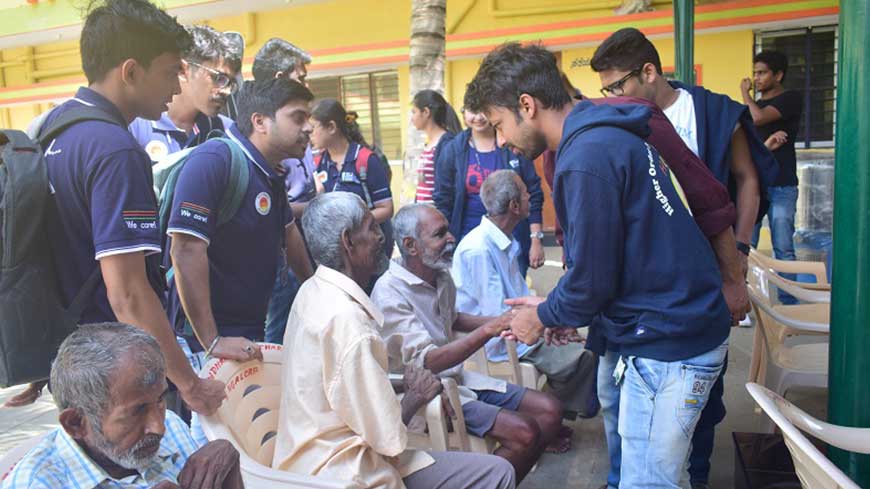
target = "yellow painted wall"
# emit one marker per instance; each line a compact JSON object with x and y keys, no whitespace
{"x":724,"y":58}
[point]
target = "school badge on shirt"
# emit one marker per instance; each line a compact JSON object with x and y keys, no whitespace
{"x":156,"y":149}
{"x":263,"y":203}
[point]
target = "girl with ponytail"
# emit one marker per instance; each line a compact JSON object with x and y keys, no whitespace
{"x":346,"y":163}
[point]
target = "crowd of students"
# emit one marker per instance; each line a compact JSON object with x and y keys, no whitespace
{"x":273,"y":220}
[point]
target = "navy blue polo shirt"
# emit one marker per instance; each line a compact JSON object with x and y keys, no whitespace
{"x":243,"y":254}
{"x":103,"y":190}
{"x":347,"y":179}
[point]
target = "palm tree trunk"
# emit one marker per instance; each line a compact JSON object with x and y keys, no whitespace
{"x":426,"y":69}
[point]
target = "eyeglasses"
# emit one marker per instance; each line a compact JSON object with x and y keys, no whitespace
{"x":615,"y":88}
{"x":219,"y":78}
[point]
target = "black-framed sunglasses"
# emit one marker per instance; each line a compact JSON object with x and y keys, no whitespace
{"x":219,"y":78}
{"x":615,"y":88}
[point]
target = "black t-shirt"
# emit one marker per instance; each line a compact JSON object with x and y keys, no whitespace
{"x":789,"y":103}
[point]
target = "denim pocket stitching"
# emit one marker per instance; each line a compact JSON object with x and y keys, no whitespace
{"x":641,"y":381}
{"x":688,"y":416}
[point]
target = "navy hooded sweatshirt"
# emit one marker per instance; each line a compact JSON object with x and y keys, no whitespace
{"x":639,"y":269}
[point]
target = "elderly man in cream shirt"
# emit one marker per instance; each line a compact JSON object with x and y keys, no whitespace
{"x":340,"y":417}
{"x":417,"y":297}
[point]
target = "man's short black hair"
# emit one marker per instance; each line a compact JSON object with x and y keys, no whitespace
{"x":277,"y":55}
{"x":118,"y":30}
{"x":266,"y":97}
{"x":207,"y":45}
{"x":511,"y":70}
{"x":776,"y":61}
{"x":625,"y":50}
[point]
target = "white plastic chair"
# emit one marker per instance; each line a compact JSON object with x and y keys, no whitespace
{"x":249,"y":420}
{"x":777,"y":363}
{"x":514,"y":370}
{"x":815,"y":268}
{"x":813,"y":469}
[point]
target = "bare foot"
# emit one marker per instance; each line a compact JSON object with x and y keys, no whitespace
{"x":562,"y":442}
{"x":28,"y":396}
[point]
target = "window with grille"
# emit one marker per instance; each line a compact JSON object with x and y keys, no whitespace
{"x":375,"y":98}
{"x":812,"y":71}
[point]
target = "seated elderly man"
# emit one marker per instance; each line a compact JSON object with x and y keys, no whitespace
{"x":340,"y":415}
{"x":109,"y":383}
{"x":418,"y":300}
{"x":486,"y":273}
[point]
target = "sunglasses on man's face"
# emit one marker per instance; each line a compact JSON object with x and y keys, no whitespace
{"x":616,"y":88}
{"x":219,"y":78}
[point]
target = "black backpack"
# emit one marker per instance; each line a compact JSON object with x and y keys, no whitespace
{"x":33,"y":321}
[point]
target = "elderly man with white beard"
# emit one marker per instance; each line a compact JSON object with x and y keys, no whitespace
{"x":417,"y":297}
{"x":109,"y":383}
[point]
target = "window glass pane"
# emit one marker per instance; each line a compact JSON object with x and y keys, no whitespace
{"x":389,"y":115}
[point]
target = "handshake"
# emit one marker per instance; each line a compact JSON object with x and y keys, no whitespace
{"x":521,"y":323}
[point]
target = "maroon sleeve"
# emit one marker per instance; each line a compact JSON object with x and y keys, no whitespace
{"x":708,"y":198}
{"x":549,"y":174}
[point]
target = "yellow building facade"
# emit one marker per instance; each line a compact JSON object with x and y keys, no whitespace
{"x":360,"y":47}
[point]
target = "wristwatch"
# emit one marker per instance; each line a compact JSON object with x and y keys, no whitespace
{"x":538,"y":235}
{"x":743,"y":248}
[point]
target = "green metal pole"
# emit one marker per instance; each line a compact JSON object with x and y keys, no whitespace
{"x":684,"y":40}
{"x":849,"y":363}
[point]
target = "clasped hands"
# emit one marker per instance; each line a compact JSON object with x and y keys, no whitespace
{"x":525,"y":326}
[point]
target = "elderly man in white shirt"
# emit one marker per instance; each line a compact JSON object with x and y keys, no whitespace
{"x":417,"y":298}
{"x":486,"y":273}
{"x":339,"y":414}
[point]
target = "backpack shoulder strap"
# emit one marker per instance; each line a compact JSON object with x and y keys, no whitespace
{"x":362,"y":162}
{"x":362,"y":169}
{"x":237,"y":185}
{"x":72,"y":116}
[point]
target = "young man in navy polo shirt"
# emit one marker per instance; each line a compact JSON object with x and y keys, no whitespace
{"x":224,"y":275}
{"x":207,"y":78}
{"x":639,"y":270}
{"x":106,"y":209}
{"x":276,"y":59}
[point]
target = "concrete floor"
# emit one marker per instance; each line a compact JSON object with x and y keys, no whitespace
{"x":584,"y":466}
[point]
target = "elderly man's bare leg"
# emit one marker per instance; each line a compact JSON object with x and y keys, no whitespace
{"x":460,"y":470}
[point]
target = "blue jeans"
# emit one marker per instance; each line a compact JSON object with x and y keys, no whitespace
{"x":283,"y":293}
{"x":780,"y":215}
{"x":657,"y":407}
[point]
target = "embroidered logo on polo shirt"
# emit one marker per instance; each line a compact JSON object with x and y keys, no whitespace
{"x":140,"y":219}
{"x":194,"y":211}
{"x":156,"y":150}
{"x":263,"y":203}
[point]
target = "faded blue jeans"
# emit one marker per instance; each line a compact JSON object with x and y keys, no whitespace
{"x":283,"y":294}
{"x":650,"y":415}
{"x":780,"y":215}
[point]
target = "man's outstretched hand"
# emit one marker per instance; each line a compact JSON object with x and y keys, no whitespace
{"x":562,"y":336}
{"x":525,"y":325}
{"x":214,"y":466}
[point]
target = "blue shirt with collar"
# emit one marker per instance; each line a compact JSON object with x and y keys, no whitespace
{"x":346,"y":179}
{"x":162,"y":137}
{"x":102,"y":185}
{"x":243,"y":254}
{"x":486,"y":271}
{"x":58,"y":461}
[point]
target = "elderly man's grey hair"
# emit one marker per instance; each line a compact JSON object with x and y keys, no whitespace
{"x":82,"y":370}
{"x":406,"y":224}
{"x":277,"y":55}
{"x":209,"y":45}
{"x":325,"y":219}
{"x":498,"y":190}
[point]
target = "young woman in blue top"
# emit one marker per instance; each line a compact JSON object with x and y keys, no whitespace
{"x":462,"y":166}
{"x":337,"y":137}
